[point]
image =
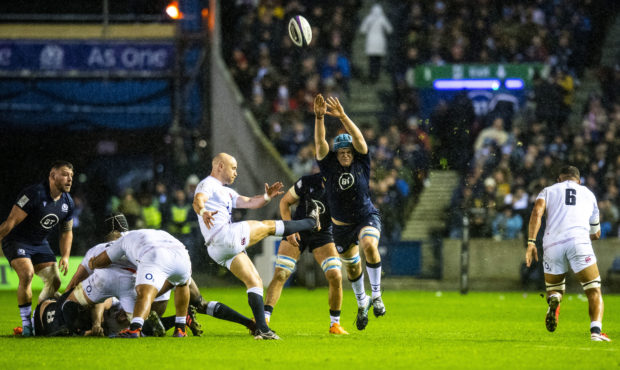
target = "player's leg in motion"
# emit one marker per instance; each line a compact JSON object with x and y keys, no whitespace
{"x":286,"y":260}
{"x":243,"y":268}
{"x":352,"y":262}
{"x":591,"y":282}
{"x":25,"y":271}
{"x":327,"y":258}
{"x":555,"y":290}
{"x":369,"y":241}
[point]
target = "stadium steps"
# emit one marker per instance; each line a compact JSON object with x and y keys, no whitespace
{"x":590,"y":83}
{"x":429,"y":213}
{"x":365,"y":105}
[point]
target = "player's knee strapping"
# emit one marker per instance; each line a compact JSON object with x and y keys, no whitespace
{"x":595,"y":283}
{"x":561,"y":286}
{"x":285,"y":262}
{"x":369,"y":231}
{"x":331,"y":263}
{"x":50,"y":275}
{"x":351,"y":261}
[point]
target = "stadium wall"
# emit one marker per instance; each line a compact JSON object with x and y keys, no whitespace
{"x":235,"y":131}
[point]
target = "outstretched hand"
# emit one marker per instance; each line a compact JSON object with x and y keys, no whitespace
{"x":274,"y":189}
{"x":334,"y":108}
{"x":319,"y":106}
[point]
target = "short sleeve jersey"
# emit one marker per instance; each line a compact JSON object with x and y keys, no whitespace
{"x":348,"y":189}
{"x":310,"y":189}
{"x":219,"y":198}
{"x":43,"y":214}
{"x":571,"y":208}
{"x":122,"y":263}
{"x":136,"y":243}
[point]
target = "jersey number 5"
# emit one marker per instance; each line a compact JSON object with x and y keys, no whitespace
{"x":570,"y":199}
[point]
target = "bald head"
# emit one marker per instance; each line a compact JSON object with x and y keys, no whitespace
{"x":224,"y":168}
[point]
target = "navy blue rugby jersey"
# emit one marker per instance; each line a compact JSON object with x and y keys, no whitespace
{"x":348,"y":189}
{"x":43,"y":214}
{"x":310,"y":189}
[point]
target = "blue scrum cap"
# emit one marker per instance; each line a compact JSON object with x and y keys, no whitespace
{"x":343,"y":141}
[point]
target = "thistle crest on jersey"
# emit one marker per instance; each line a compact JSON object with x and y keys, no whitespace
{"x":299,"y":31}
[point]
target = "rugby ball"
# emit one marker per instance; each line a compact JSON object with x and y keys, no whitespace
{"x":299,"y":31}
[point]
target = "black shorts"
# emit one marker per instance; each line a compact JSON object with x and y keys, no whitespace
{"x":37,"y":253}
{"x":346,"y":236}
{"x":312,"y":240}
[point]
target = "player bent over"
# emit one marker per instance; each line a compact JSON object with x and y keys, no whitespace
{"x":226,"y":241}
{"x":572,"y":222}
{"x":355,"y":219}
{"x":159,"y":257}
{"x":308,"y":191}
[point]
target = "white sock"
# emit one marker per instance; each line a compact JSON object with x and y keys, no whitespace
{"x":334,"y":320}
{"x":360,"y":292}
{"x":595,"y":324}
{"x":137,"y":320}
{"x":279,"y":228}
{"x":267,"y":315}
{"x":374,"y":276}
{"x":180,"y":320}
{"x":25,"y":312}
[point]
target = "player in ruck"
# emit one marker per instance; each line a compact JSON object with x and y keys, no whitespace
{"x":160,"y":259}
{"x":226,"y":241}
{"x":308,"y":191}
{"x":355,"y":219}
{"x":38,"y":209}
{"x":572,"y":222}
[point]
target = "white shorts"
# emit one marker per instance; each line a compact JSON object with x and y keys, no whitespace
{"x":111,"y":282}
{"x":558,"y":255}
{"x":161,"y":264}
{"x":228,"y":242}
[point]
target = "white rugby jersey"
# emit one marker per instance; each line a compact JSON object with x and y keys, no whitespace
{"x":136,"y":243}
{"x":219,"y":198}
{"x":571,"y":208}
{"x":122,"y":263}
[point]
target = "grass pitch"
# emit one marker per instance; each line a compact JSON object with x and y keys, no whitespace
{"x":421,"y":330}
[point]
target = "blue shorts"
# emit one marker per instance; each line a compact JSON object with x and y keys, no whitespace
{"x":37,"y":253}
{"x":312,"y":240}
{"x":346,"y":236}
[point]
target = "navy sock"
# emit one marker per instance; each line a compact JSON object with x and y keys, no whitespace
{"x":292,"y":227}
{"x":256,"y":304}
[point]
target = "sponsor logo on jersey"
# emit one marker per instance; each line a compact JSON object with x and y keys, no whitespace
{"x":346,"y":180}
{"x":49,"y":221}
{"x":64,"y":207}
{"x":22,"y":201}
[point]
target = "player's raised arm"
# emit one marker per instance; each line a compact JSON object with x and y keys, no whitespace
{"x":259,"y":201}
{"x":335,"y":109}
{"x":320,"y":144}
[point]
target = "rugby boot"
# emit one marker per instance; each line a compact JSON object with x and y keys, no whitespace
{"x":157,"y":326}
{"x":128,"y":333}
{"x":316,"y":216}
{"x":378,"y":308}
{"x":553,"y":312}
{"x":191,"y":322}
{"x":362,"y":315}
{"x":602,"y":337}
{"x":270,"y":334}
{"x":335,"y":328}
{"x":179,"y":333}
{"x":27,"y":331}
